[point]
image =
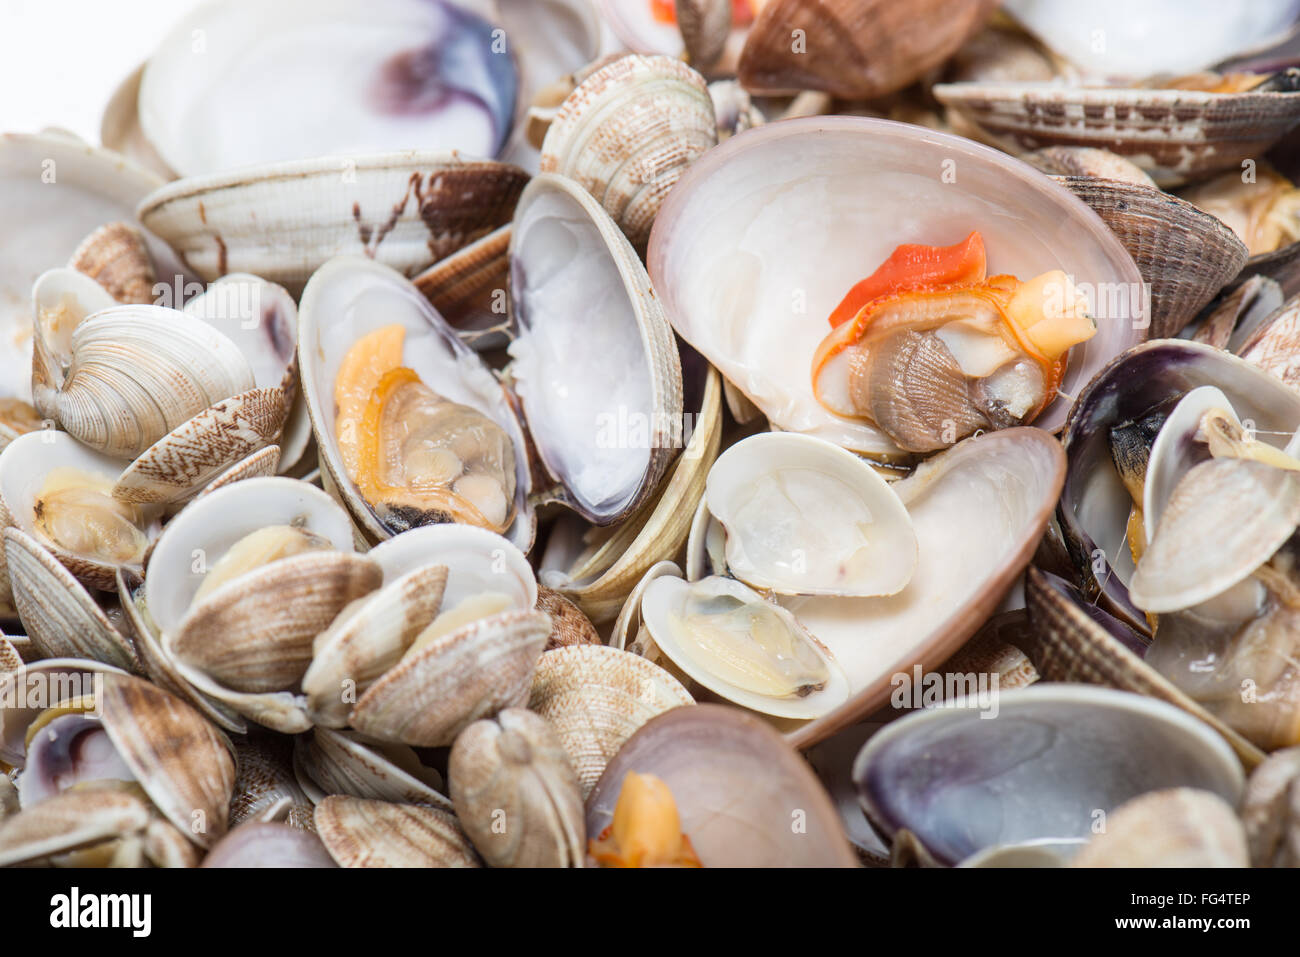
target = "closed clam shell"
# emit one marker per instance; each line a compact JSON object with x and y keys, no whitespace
{"x":183,"y":763}
{"x":263,"y":463}
{"x":59,"y":615}
{"x":595,"y":697}
{"x":1178,"y":827}
{"x":516,"y":794}
{"x":405,"y":210}
{"x":429,"y":696}
{"x":1074,"y":641}
{"x":255,"y":633}
{"x":1175,"y":135}
{"x":364,"y":833}
{"x":738,"y":787}
{"x":626,"y":134}
{"x":857,"y":49}
{"x":116,"y":257}
{"x":1185,"y":255}
{"x":1270,"y":810}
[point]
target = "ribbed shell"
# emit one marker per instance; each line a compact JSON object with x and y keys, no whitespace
{"x":1270,"y":810}
{"x":265,"y":786}
{"x":339,"y":763}
{"x":596,"y":697}
{"x":628,"y":132}
{"x":137,"y":373}
{"x":1175,"y":135}
{"x":1184,"y":254}
{"x":59,"y":615}
{"x":569,"y":626}
{"x":365,"y":642}
{"x":183,"y":762}
{"x":856,"y":49}
{"x":263,"y":463}
{"x":1067,"y":644}
{"x":116,"y":257}
{"x":254,"y":634}
{"x":474,"y":672}
{"x":516,"y":793}
{"x":362,"y":833}
{"x":468,"y":288}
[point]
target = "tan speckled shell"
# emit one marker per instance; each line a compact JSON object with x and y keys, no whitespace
{"x":1178,"y":827}
{"x":255,"y":633}
{"x":361,"y":833}
{"x":337,"y":762}
{"x":183,"y":763}
{"x":1185,"y":255}
{"x":596,"y":697}
{"x":628,"y":132}
{"x":513,"y":771}
{"x":265,"y":786}
{"x":71,"y":819}
{"x":569,"y":626}
{"x":431,"y":695}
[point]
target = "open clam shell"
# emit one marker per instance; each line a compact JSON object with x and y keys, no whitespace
{"x":1175,"y":135}
{"x":405,"y":210}
{"x":737,"y":786}
{"x":753,"y":293}
{"x":1055,"y":761}
{"x":979,"y":510}
{"x":351,"y":297}
{"x":609,"y":435}
{"x":1149,"y":380}
{"x":857,"y":49}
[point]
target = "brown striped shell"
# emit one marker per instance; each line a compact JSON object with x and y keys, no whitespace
{"x":363,"y":833}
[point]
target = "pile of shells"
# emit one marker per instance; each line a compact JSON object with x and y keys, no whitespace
{"x":459,"y":433}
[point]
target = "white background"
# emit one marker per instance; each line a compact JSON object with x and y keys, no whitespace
{"x":60,"y":60}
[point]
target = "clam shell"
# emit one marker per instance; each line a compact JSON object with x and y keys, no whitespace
{"x":265,"y":844}
{"x":516,"y":794}
{"x":1087,"y":161}
{"x":595,"y":697}
{"x":1178,"y":827}
{"x":59,"y":615}
{"x":265,"y":786}
{"x":1186,"y":256}
{"x":1055,"y":760}
{"x":263,"y":463}
{"x":350,"y":297}
{"x":777,"y":814}
{"x":363,"y":833}
{"x":753,"y":296}
{"x":428,"y":697}
{"x":628,"y":132}
{"x":468,"y":289}
{"x":565,"y":250}
{"x":71,"y":820}
{"x":58,"y":679}
{"x":1073,"y":641}
{"x":1270,"y":810}
{"x":1175,"y":135}
{"x":569,"y":626}
{"x":338,"y":762}
{"x":856,"y":49}
{"x":182,"y":762}
{"x":405,"y":210}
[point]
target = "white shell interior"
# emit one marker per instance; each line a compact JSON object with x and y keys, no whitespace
{"x":477,"y":561}
{"x":349,"y":297}
{"x":581,"y":364}
{"x":764,"y":235}
{"x":259,"y":317}
{"x":205,"y":530}
{"x":805,"y":517}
